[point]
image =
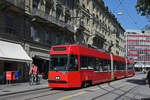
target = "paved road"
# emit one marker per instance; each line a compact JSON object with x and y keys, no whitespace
{"x":132,"y":88}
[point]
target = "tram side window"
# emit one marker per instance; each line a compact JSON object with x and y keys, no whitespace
{"x":102,"y":65}
{"x":119,"y":65}
{"x":124,"y":66}
{"x":83,"y":62}
{"x":116,"y":66}
{"x":98,"y":64}
{"x":105,"y":66}
{"x":73,"y":62}
{"x":90,"y":62}
{"x":109,"y":64}
{"x":130,"y":66}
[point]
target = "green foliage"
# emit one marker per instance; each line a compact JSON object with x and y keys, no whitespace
{"x":143,"y":7}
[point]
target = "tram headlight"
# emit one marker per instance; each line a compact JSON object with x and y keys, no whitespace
{"x":57,"y":77}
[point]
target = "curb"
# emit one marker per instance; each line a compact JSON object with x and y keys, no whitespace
{"x":23,"y":91}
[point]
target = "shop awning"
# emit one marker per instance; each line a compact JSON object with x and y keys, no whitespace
{"x":13,"y":52}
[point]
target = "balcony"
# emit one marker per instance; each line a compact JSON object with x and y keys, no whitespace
{"x":81,"y":26}
{"x":70,"y":27}
{"x":84,"y":11}
{"x":99,"y":34}
{"x":15,"y":5}
{"x":41,"y":16}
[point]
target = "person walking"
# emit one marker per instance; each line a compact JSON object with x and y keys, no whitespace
{"x":144,"y":70}
{"x":148,"y":78}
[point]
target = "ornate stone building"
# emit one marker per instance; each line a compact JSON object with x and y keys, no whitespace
{"x":39,"y":24}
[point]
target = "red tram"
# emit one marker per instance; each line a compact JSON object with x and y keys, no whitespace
{"x":80,"y":66}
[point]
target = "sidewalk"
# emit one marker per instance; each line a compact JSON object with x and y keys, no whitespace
{"x":142,"y":92}
{"x":21,"y":87}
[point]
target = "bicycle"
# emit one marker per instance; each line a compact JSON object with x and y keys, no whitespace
{"x":34,"y":79}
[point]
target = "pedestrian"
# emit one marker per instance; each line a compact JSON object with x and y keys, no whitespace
{"x":144,"y":70}
{"x":148,"y":78}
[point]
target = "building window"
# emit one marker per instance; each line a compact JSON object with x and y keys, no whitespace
{"x":57,"y":40}
{"x":35,"y":3}
{"x":47,"y":41}
{"x":46,"y":37}
{"x":67,"y":16}
{"x":58,"y":12}
{"x":34,"y":34}
{"x":10,"y":24}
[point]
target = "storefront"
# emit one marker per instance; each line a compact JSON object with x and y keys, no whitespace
{"x":13,"y":58}
{"x":142,"y":66}
{"x":41,"y":60}
{"x":43,"y":65}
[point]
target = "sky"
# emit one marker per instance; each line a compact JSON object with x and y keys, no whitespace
{"x":129,"y":18}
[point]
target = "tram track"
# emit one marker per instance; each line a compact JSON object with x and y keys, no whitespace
{"x":113,"y":92}
{"x":46,"y":92}
{"x":31,"y":94}
{"x":36,"y":95}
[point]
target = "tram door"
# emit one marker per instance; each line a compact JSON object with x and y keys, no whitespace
{"x":86,"y":68}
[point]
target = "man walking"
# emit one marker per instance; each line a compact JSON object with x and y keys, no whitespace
{"x":148,"y":78}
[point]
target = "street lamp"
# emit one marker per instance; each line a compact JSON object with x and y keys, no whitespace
{"x":119,"y":13}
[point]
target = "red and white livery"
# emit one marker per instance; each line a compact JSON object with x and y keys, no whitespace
{"x":79,"y":66}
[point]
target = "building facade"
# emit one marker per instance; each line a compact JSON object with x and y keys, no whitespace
{"x":39,"y":24}
{"x":138,"y":46}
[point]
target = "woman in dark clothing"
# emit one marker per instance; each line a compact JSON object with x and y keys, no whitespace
{"x":148,"y":78}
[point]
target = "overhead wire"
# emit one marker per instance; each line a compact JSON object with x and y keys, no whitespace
{"x":115,"y":9}
{"x":134,"y":22}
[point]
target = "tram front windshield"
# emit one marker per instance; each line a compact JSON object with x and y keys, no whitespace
{"x":63,"y":62}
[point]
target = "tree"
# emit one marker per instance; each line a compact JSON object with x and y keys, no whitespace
{"x":143,"y":7}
